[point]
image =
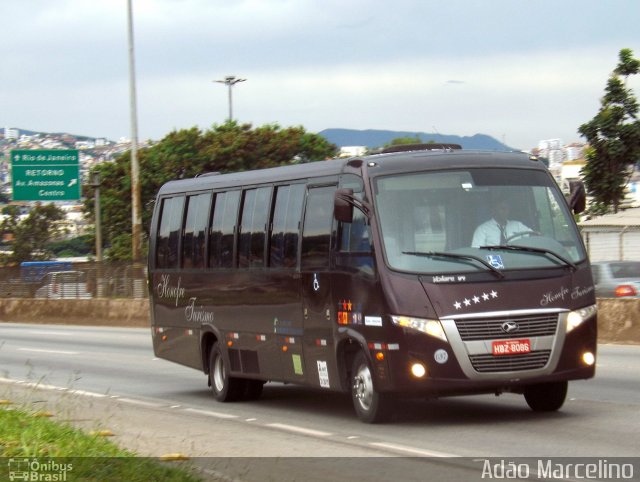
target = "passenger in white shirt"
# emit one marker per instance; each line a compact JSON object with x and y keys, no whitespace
{"x":498,"y":230}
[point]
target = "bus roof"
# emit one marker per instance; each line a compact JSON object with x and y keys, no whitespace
{"x":375,"y":165}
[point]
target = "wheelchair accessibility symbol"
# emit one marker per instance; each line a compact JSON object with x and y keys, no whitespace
{"x":495,"y":260}
{"x":316,"y":283}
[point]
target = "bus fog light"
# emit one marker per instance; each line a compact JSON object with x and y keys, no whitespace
{"x":588,"y":358}
{"x":418,"y":370}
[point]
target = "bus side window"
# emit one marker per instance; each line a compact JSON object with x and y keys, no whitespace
{"x":354,"y":236}
{"x":168,"y":241}
{"x":286,"y":226}
{"x":193,"y":243}
{"x":316,"y":234}
{"x":223,"y":226}
{"x":255,"y":213}
{"x":354,"y":251}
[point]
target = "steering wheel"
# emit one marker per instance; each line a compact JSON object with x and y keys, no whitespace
{"x":520,"y":234}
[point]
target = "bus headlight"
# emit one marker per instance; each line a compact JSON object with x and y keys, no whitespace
{"x":430,"y":327}
{"x":577,"y":317}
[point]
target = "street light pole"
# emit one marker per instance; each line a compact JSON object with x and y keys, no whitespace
{"x":136,"y":197}
{"x":230,"y":81}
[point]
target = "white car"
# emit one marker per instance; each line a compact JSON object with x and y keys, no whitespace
{"x":615,"y":279}
{"x":64,"y":285}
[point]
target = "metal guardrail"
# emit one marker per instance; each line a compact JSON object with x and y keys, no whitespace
{"x":103,"y":280}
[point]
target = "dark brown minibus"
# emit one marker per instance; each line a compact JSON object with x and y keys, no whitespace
{"x":417,"y":274}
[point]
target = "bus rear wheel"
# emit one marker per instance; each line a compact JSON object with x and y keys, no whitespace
{"x":546,"y":397}
{"x":224,"y":387}
{"x":371,"y":406}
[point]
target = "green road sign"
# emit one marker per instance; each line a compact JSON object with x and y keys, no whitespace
{"x":45,"y":175}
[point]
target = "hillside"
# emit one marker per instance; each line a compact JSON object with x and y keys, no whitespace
{"x":27,"y":132}
{"x":377,"y":138}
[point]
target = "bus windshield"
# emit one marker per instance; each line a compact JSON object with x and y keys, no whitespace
{"x":475,"y":219}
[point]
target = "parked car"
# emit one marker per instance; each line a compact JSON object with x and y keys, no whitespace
{"x":617,"y":279}
{"x":63,"y":285}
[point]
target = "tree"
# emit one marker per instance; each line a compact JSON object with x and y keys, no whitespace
{"x":614,"y":139}
{"x":31,"y":235}
{"x":398,"y":141}
{"x":228,"y":147}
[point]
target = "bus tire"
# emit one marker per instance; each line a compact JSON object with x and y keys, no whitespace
{"x":371,"y":406}
{"x":546,"y":397}
{"x":224,"y":387}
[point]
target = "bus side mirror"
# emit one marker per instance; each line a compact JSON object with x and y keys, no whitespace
{"x":577,"y":197}
{"x":343,"y":205}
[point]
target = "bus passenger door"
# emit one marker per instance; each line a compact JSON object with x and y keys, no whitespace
{"x":319,"y":353}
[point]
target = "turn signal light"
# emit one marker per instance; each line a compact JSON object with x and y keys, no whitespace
{"x":626,"y":290}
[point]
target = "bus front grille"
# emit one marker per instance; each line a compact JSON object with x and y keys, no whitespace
{"x":494,"y":328}
{"x":510,"y":363}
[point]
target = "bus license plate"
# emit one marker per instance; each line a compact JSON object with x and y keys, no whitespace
{"x":511,"y":347}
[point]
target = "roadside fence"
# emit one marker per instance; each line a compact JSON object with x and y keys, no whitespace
{"x":75,"y":280}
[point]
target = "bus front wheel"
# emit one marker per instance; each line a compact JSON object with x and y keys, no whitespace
{"x":546,"y":397}
{"x":371,"y":406}
{"x":224,"y":387}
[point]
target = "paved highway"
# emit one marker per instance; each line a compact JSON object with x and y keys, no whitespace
{"x":599,"y":419}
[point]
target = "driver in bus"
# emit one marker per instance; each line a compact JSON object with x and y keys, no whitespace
{"x":499,"y":229}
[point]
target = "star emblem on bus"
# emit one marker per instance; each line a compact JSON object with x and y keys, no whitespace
{"x":475,"y":299}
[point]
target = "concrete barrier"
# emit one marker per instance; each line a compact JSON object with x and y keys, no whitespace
{"x":618,"y":319}
{"x":97,"y":311}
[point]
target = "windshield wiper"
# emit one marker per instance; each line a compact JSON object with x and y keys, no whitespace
{"x":440,"y":254}
{"x":529,"y":249}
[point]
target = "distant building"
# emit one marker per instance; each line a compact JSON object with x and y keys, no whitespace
{"x":550,"y":144}
{"x":352,"y":151}
{"x":552,"y":150}
{"x":574,"y":151}
{"x":85,"y":145}
{"x":613,"y":236}
{"x":10,"y":133}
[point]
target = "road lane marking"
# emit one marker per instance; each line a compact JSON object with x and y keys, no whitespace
{"x":142,"y":403}
{"x":52,"y":352}
{"x":49,"y":333}
{"x":300,"y":430}
{"x":43,"y":386}
{"x":209,"y":413}
{"x":411,"y":450}
{"x":84,"y":393}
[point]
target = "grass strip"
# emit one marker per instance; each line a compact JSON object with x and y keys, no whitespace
{"x":64,"y":451}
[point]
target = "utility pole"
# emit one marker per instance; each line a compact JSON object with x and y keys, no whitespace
{"x":230,"y":81}
{"x":136,"y":199}
{"x":96,"y":186}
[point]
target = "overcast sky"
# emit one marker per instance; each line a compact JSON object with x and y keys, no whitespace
{"x":520,"y":71}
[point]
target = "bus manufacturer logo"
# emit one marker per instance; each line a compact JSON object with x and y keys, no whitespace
{"x":509,"y":327}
